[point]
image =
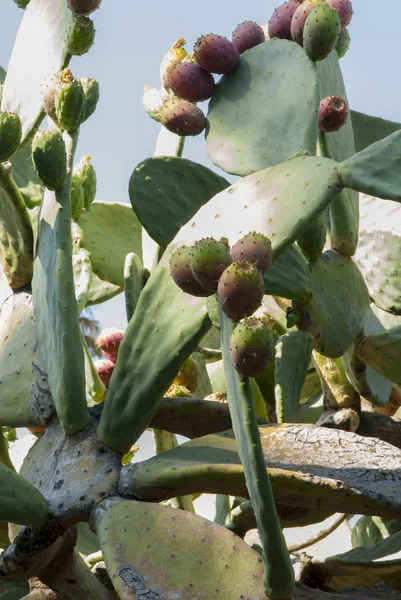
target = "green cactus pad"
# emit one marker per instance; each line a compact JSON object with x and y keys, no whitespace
{"x":274,"y":78}
{"x":186,"y":546}
{"x":77,"y":197}
{"x":166,"y":192}
{"x":368,"y":129}
{"x":321,"y":31}
{"x":337,"y":312}
{"x":20,"y":502}
{"x":339,"y":145}
{"x":26,"y":178}
{"x":82,"y":268}
{"x":375,"y":170}
{"x":289,"y":276}
{"x":313,"y":239}
{"x":133,"y":282}
{"x":292,"y":358}
{"x":382,"y":351}
{"x":101,"y":291}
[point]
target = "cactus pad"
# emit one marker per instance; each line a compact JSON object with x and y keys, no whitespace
{"x":368,"y":129}
{"x":20,"y":502}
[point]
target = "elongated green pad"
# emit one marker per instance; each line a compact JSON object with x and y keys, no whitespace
{"x":289,"y":276}
{"x":292,"y":358}
{"x":368,"y":129}
{"x":156,"y":551}
{"x":20,"y":502}
{"x":264,"y":112}
{"x":339,"y":145}
{"x":25,"y":177}
{"x":167,"y":191}
{"x":382,"y":352}
{"x":313,"y":239}
{"x":82,"y":270}
{"x":340,"y":302}
{"x":133,"y":282}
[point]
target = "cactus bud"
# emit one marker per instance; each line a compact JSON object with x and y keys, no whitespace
{"x":109,"y":342}
{"x":240,"y":290}
{"x":189,"y":81}
{"x":216,"y":54}
{"x":174,"y":57}
{"x":77,"y":197}
{"x":105,"y":370}
{"x":85,"y":172}
{"x":255,"y":248}
{"x":83,"y":7}
{"x":181,"y":272}
{"x":10,"y":135}
{"x":50,"y":158}
{"x":247,"y":35}
{"x":280,"y":21}
{"x":251,"y":347}
{"x":69,"y":101}
{"x":209,"y":258}
{"x":343,"y":43}
{"x":82,"y":36}
{"x":152,"y":100}
{"x":333,"y":113}
{"x":91,"y":91}
{"x":182,"y":117}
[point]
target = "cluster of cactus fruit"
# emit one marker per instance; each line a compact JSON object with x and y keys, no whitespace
{"x":263,"y":323}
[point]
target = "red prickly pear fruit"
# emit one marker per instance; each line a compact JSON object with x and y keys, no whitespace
{"x":240,"y":290}
{"x":251,"y":347}
{"x":280,"y":21}
{"x":109,"y":342}
{"x":343,"y":43}
{"x":344,"y":9}
{"x":209,"y":258}
{"x":321,"y":32}
{"x":181,"y":272}
{"x":105,"y":370}
{"x":83,"y":7}
{"x":10,"y":135}
{"x":182,"y":117}
{"x":189,"y":81}
{"x":247,"y":35}
{"x":255,"y":248}
{"x":299,"y":19}
{"x":333,"y":113}
{"x":188,"y":376}
{"x":216,"y":54}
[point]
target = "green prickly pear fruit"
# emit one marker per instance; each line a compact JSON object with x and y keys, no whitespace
{"x":182,"y":274}
{"x":174,"y":57}
{"x":77,"y":197}
{"x":83,"y":7}
{"x":22,"y":3}
{"x":321,"y":32}
{"x":81,"y":36}
{"x":247,"y":35}
{"x":105,"y":370}
{"x":251,"y":347}
{"x":69,"y":101}
{"x":91,"y":91}
{"x":292,"y":317}
{"x":280,"y":21}
{"x":188,"y":376}
{"x":189,"y":81}
{"x":255,"y":248}
{"x":182,"y":117}
{"x":10,"y":135}
{"x":299,"y":19}
{"x":109,"y":342}
{"x":87,"y":175}
{"x":344,"y":9}
{"x":50,"y":158}
{"x":209,"y":258}
{"x":343,"y":43}
{"x":240,"y":290}
{"x":216,"y":54}
{"x":333,"y":113}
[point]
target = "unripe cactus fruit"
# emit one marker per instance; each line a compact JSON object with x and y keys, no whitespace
{"x":240,"y":290}
{"x":209,"y":258}
{"x":182,"y":117}
{"x":109,"y":342}
{"x":216,"y":54}
{"x":105,"y":370}
{"x":83,"y":7}
{"x":50,"y":158}
{"x":77,"y":197}
{"x":22,"y":3}
{"x":343,"y":43}
{"x":49,"y":87}
{"x":321,"y":32}
{"x":187,"y":376}
{"x":189,"y":81}
{"x":86,"y":173}
{"x":91,"y":91}
{"x":181,"y":272}
{"x":247,"y":35}
{"x":174,"y":57}
{"x":344,"y":9}
{"x":10,"y":135}
{"x":81,"y":36}
{"x":333,"y":113}
{"x":69,"y":101}
{"x":280,"y":21}
{"x":251,"y":347}
{"x":299,"y":19}
{"x":255,"y":248}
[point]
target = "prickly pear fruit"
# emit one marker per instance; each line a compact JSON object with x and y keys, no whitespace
{"x":182,"y":275}
{"x":152,"y":101}
{"x":174,"y":57}
{"x":81,"y":36}
{"x":83,"y":7}
{"x":10,"y":135}
{"x":91,"y":91}
{"x":299,"y":19}
{"x":188,"y":376}
{"x":49,"y":87}
{"x":86,"y":173}
{"x":189,"y":81}
{"x":216,"y":54}
{"x":77,"y":197}
{"x":343,"y":43}
{"x":280,"y":21}
{"x":344,"y":9}
{"x":182,"y":117}
{"x":50,"y":158}
{"x":247,"y":35}
{"x":240,"y":290}
{"x":321,"y":32}
{"x":209,"y":258}
{"x":70,"y":101}
{"x":105,"y":370}
{"x":251,"y":347}
{"x":109,"y":342}
{"x":22,"y":3}
{"x":255,"y":248}
{"x":333,"y":113}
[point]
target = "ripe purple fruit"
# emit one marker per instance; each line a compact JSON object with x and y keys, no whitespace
{"x":216,"y":54}
{"x":209,"y":258}
{"x":255,"y":248}
{"x":247,"y":35}
{"x":182,"y":275}
{"x":251,"y":347}
{"x":333,"y":113}
{"x":280,"y":21}
{"x":300,"y":15}
{"x":83,"y":7}
{"x":182,"y":117}
{"x":189,"y":81}
{"x":344,"y":9}
{"x":240,"y":290}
